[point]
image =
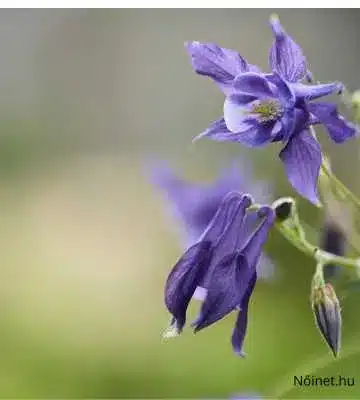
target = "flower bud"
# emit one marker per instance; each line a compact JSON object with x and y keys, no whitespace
{"x":326,"y":308}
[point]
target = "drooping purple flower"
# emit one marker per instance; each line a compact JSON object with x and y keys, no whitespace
{"x":194,"y":205}
{"x":261,"y":108}
{"x":223,"y":262}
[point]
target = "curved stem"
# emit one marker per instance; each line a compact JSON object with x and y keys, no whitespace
{"x":296,"y":236}
{"x":320,"y":255}
{"x":334,"y":180}
{"x":347,"y":192}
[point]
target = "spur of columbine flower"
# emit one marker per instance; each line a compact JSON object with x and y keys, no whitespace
{"x":223,"y":262}
{"x":194,"y":205}
{"x":261,"y":108}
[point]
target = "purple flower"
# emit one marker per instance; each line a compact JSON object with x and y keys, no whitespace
{"x":194,"y":205}
{"x":261,"y":108}
{"x":223,"y":261}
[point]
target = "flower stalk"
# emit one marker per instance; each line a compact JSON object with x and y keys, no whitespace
{"x":293,"y":232}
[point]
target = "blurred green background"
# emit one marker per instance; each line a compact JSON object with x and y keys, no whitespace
{"x":87,"y":98}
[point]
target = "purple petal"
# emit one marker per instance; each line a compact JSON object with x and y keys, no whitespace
{"x":284,"y":128}
{"x":241,"y":99}
{"x":216,"y":131}
{"x":253,"y":84}
{"x":200,"y":293}
{"x":286,"y":57}
{"x":255,"y":243}
{"x":338,"y":128}
{"x":227,"y":211}
{"x":254,"y":137}
{"x":236,"y":116}
{"x":312,"y":92}
{"x":265,"y":268}
{"x":183,"y":280}
{"x":220,"y":64}
{"x":229,"y":282}
{"x":283,"y":90}
{"x":302,"y":159}
{"x":239,"y":331}
{"x":228,"y":238}
{"x":232,"y":237}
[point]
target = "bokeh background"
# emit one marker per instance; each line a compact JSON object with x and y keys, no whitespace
{"x":88,"y":99}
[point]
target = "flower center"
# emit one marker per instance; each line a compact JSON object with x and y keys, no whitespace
{"x":268,"y":110}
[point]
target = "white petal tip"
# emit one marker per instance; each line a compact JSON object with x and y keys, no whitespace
{"x":240,"y":353}
{"x":274,"y":18}
{"x":170,"y":333}
{"x":198,"y":137}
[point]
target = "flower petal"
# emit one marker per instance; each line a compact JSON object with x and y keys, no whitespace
{"x":283,"y":90}
{"x":253,"y":84}
{"x":229,"y":238}
{"x":239,"y":331}
{"x":184,"y":278}
{"x":265,"y":268}
{"x":312,"y":92}
{"x":253,"y":248}
{"x":236,"y":116}
{"x":226,"y":212}
{"x":287,"y":127}
{"x":338,"y":128}
{"x":254,"y":137}
{"x":302,"y":159}
{"x":229,"y":282}
{"x":232,"y":238}
{"x":216,"y":131}
{"x":286,"y":57}
{"x":220,"y":64}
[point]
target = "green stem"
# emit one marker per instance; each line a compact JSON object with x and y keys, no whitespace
{"x":309,"y":249}
{"x":334,"y":180}
{"x":295,"y":234}
{"x":348,"y":193}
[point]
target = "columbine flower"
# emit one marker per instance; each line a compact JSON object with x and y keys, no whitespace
{"x":223,"y":262}
{"x":262,"y":108}
{"x":194,"y":204}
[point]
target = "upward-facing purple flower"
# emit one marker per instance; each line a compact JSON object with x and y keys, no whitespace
{"x":223,"y":261}
{"x":261,"y":108}
{"x":194,"y":205}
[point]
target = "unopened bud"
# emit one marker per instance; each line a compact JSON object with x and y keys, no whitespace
{"x":326,"y":308}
